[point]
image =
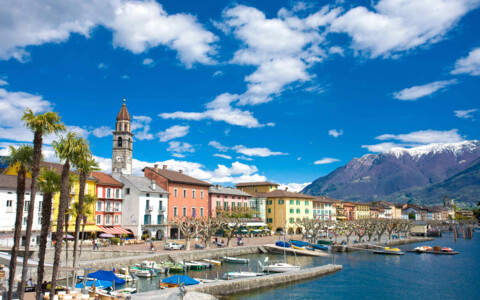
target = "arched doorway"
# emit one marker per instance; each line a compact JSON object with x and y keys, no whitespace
{"x":159,"y":235}
{"x":174,"y":233}
{"x":291,"y":231}
{"x":279,"y":230}
{"x":298,"y":231}
{"x":146,"y":234}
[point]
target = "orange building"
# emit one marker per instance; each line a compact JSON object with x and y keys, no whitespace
{"x":187,"y":197}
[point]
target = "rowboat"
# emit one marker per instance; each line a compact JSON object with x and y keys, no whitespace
{"x":146,"y":273}
{"x":194,"y":265}
{"x":236,"y":260}
{"x":175,"y":267}
{"x":323,"y":242}
{"x":319,"y":247}
{"x":240,"y":274}
{"x":215,"y":262}
{"x":298,"y":248}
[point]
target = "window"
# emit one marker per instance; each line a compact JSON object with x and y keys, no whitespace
{"x":184,"y":193}
{"x":100,"y":191}
{"x":298,"y":210}
{"x":127,"y":191}
{"x":218,"y":204}
{"x":306,"y":202}
{"x":218,"y":195}
{"x":147,"y":204}
{"x":292,"y":202}
{"x":9,"y":203}
{"x":201,"y":194}
{"x":292,"y":220}
{"x":147,"y":219}
{"x":281,"y":201}
{"x":306,"y":211}
{"x":160,"y":205}
{"x":99,"y":219}
{"x":159,"y":219}
{"x":298,"y":202}
{"x":239,"y":204}
{"x":117,"y":206}
{"x":175,"y":211}
{"x":184,"y":211}
{"x":245,"y":205}
{"x":233,"y":205}
{"x":175,"y":193}
{"x":117,"y":193}
{"x":116,"y":219}
{"x":269,"y":202}
{"x":269,"y":220}
{"x":193,"y":194}
{"x":201,"y":211}
{"x":108,"y":193}
{"x":108,"y":220}
{"x":39,"y":220}
{"x":292,"y":210}
{"x":40,"y":205}
{"x":269,"y":210}
{"x":148,"y":195}
{"x":225,"y":205}
{"x":99,"y":206}
{"x":194,"y":212}
{"x":27,"y":204}
{"x":109,"y":206}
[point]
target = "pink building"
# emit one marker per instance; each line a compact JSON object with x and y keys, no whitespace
{"x":226,"y":198}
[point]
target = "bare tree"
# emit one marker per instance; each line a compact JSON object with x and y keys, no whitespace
{"x":393,"y":225}
{"x":208,"y":227}
{"x":349,"y":229}
{"x":306,"y":226}
{"x":361,"y":228}
{"x":231,"y":226}
{"x":185,"y":225}
{"x":370,"y":228}
{"x":380,"y":228}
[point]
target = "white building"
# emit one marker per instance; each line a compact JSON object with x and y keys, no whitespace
{"x":145,"y":206}
{"x":8,"y":205}
{"x":324,"y":208}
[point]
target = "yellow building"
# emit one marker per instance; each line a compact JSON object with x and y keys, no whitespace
{"x":257,"y":187}
{"x":362,"y":211}
{"x":89,"y":189}
{"x":284,"y":208}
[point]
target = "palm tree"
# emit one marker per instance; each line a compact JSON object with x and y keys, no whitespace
{"x":49,"y":183}
{"x":67,"y":149}
{"x":88,"y":209}
{"x":21,"y":158}
{"x":86,"y":164}
{"x":40,"y":124}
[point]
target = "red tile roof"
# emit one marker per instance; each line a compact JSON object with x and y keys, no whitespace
{"x":105,"y":179}
{"x":175,"y":176}
{"x":283,"y":193}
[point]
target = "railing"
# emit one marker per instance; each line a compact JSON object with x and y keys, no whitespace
{"x":161,"y":210}
{"x":109,"y":209}
{"x":148,"y":209}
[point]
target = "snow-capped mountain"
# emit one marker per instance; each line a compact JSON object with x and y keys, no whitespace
{"x":374,"y":176}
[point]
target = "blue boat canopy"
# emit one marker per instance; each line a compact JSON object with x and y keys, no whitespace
{"x":106,"y":276}
{"x":176,"y":279}
{"x":299,"y":243}
{"x":98,"y":283}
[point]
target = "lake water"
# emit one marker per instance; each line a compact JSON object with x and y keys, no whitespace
{"x":369,"y":276}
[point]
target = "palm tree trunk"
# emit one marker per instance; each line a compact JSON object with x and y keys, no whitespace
{"x":64,"y":196}
{"x":67,"y":216}
{"x":37,"y":157}
{"x":18,"y":229}
{"x":46,"y":212}
{"x":84,"y":218}
{"x":81,"y":197}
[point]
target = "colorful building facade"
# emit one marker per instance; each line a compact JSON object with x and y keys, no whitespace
{"x":226,"y":199}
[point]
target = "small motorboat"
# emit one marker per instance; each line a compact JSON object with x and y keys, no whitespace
{"x":446,"y":249}
{"x":277,"y":266}
{"x":323,"y":242}
{"x":194,"y":265}
{"x":240,"y":274}
{"x":319,"y":247}
{"x":212,"y":261}
{"x":423,"y":248}
{"x":389,"y":251}
{"x":124,"y":292}
{"x":236,"y":260}
{"x":150,"y":264}
{"x":392,"y":249}
{"x":282,"y":244}
{"x":175,"y":267}
{"x":127,"y":278}
{"x":146,"y":273}
{"x":299,"y":247}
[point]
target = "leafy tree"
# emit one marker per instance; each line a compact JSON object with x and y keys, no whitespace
{"x":49,"y":184}
{"x":22,"y":159}
{"x":40,"y":124}
{"x":476,"y":213}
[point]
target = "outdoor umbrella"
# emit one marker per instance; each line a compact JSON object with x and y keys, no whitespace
{"x":106,"y":235}
{"x":68,"y":237}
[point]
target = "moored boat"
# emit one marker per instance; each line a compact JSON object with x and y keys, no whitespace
{"x":146,"y":273}
{"x":240,"y":274}
{"x":319,"y":247}
{"x":277,"y":266}
{"x":446,"y":249}
{"x":323,"y":242}
{"x":282,"y":244}
{"x":299,"y":243}
{"x":236,"y":260}
{"x":214,"y":262}
{"x":299,"y":247}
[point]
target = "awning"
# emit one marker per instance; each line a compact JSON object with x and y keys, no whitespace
{"x":71,"y":228}
{"x":114,"y":230}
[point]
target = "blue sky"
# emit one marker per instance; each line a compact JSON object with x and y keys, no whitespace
{"x":284,"y":91}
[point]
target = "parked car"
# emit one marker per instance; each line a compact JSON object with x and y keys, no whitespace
{"x":174,"y":246}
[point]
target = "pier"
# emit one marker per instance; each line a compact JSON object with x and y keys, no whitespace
{"x":230,"y":287}
{"x":279,"y":250}
{"x":373,"y":245}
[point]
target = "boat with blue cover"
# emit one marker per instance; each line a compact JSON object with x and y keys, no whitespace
{"x":319,"y":247}
{"x":299,"y":243}
{"x":282,"y":244}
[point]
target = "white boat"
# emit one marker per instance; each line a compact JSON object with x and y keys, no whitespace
{"x":236,"y":260}
{"x":277,"y":266}
{"x":240,"y":274}
{"x":204,"y":264}
{"x":215,"y":262}
{"x":146,"y":273}
{"x":127,"y":278}
{"x":150,"y":264}
{"x":123,"y":292}
{"x":194,"y":265}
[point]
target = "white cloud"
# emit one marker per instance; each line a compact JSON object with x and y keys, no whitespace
{"x":420,"y":91}
{"x":261,"y":152}
{"x":136,"y":25}
{"x":299,"y":158}
{"x":468,"y":65}
{"x":125,"y":77}
{"x":178,"y":155}
{"x":217,"y":73}
{"x":148,"y":62}
{"x":414,"y":139}
{"x":396,"y":26}
{"x":326,"y":160}
{"x":222,"y":156}
{"x":85,"y":133}
{"x":294,"y":187}
{"x":425,"y":137}
{"x":3,"y":82}
{"x":465,"y":114}
{"x":219,"y":110}
{"x":102,"y":131}
{"x":243,"y":157}
{"x":173,"y":133}
{"x":218,"y":146}
{"x":335,"y":133}
{"x":180,"y":147}
{"x":141,"y":127}
{"x":336,"y":50}
{"x":102,"y":66}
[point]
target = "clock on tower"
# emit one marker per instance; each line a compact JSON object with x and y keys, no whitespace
{"x":122,"y":142}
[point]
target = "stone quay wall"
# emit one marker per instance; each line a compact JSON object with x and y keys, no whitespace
{"x":230,"y":287}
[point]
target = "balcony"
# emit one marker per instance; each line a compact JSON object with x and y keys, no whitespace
{"x":109,"y":209}
{"x":161,"y":210}
{"x":148,"y":210}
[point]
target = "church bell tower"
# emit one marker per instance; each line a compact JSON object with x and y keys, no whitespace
{"x":122,"y":143}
